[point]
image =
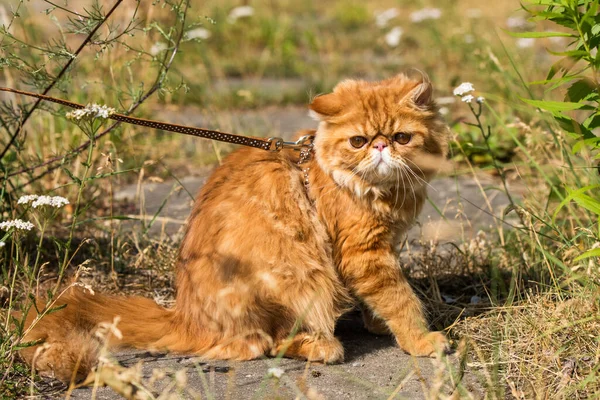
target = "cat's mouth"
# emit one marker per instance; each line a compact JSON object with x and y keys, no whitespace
{"x":381,"y":166}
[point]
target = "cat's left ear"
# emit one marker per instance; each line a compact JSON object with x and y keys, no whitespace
{"x":325,"y":107}
{"x":422,"y":94}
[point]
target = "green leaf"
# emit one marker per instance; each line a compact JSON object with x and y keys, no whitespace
{"x":565,"y":64}
{"x":25,"y":345}
{"x":573,"y":194}
{"x":593,"y":143}
{"x":580,"y":90}
{"x":540,"y":34}
{"x":557,"y":81}
{"x":588,"y":254}
{"x":570,"y":125}
{"x":593,"y":121}
{"x":588,"y":202}
{"x":591,"y":12}
{"x":574,"y":54}
{"x":55,"y":309}
{"x":555,"y":106}
{"x":73,"y":177}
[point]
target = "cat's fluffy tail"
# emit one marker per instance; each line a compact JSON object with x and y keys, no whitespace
{"x":70,"y":340}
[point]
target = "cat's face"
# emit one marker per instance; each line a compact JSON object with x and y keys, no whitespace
{"x":381,"y":134}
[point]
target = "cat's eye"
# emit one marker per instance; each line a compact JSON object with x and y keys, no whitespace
{"x":402,"y":138}
{"x":358,"y":141}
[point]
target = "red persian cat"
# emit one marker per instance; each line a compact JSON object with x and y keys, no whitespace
{"x":273,"y":247}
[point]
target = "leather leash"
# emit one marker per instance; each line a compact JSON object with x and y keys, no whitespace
{"x":273,"y":144}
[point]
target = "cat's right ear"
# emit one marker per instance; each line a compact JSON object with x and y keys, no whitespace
{"x":325,"y":107}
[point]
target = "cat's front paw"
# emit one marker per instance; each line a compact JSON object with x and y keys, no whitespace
{"x":429,"y":345}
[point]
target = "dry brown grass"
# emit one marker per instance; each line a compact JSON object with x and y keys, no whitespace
{"x":539,"y":348}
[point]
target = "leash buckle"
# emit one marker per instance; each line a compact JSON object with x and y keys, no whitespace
{"x":304,"y":145}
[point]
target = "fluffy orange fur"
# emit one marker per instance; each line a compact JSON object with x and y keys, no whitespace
{"x":265,"y":256}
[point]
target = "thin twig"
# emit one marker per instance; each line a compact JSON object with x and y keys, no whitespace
{"x":66,"y":9}
{"x":57,"y":79}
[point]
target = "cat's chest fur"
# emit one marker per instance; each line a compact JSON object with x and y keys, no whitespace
{"x":362,"y":219}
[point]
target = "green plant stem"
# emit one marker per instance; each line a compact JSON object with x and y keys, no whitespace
{"x":39,"y":250}
{"x":12,"y":286}
{"x":499,"y":170}
{"x":76,"y":212}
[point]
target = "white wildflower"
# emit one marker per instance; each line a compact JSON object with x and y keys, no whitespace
{"x":444,"y":110}
{"x":468,"y":98}
{"x":17,"y":224}
{"x":463,"y":89}
{"x":27,"y":198}
{"x":2,"y":244}
{"x":157,"y":48}
{"x":198,"y":33}
{"x":393,"y":37}
{"x":53,"y":201}
{"x":36,"y":201}
{"x":425,"y":14}
{"x":516,"y":23}
{"x":480,"y":100}
{"x":91,"y":111}
{"x":382,"y":18}
{"x":556,"y":39}
{"x":525,"y":43}
{"x":275,"y":372}
{"x":240,"y":12}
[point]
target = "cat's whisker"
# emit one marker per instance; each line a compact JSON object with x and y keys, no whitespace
{"x":403,"y":187}
{"x":412,"y":187}
{"x":422,"y":173}
{"x":413,"y":173}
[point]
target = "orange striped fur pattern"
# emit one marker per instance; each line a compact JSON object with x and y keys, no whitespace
{"x":265,"y":257}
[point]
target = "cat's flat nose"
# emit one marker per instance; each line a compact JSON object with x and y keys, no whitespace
{"x":380,"y":145}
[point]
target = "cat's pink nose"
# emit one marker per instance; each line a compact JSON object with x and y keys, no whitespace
{"x":380,"y":145}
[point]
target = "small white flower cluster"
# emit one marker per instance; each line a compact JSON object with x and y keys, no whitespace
{"x":464,"y":90}
{"x":392,"y":38}
{"x":425,"y":14}
{"x":275,"y":372}
{"x":157,"y":48}
{"x":36,"y":201}
{"x":91,"y":111}
{"x":383,"y":17}
{"x":27,"y":199}
{"x":517,"y":22}
{"x":198,"y":33}
{"x":240,"y":12}
{"x":2,"y":244}
{"x":525,"y":43}
{"x":17,"y":224}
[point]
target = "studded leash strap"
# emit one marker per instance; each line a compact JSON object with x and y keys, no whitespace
{"x":269,"y":144}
